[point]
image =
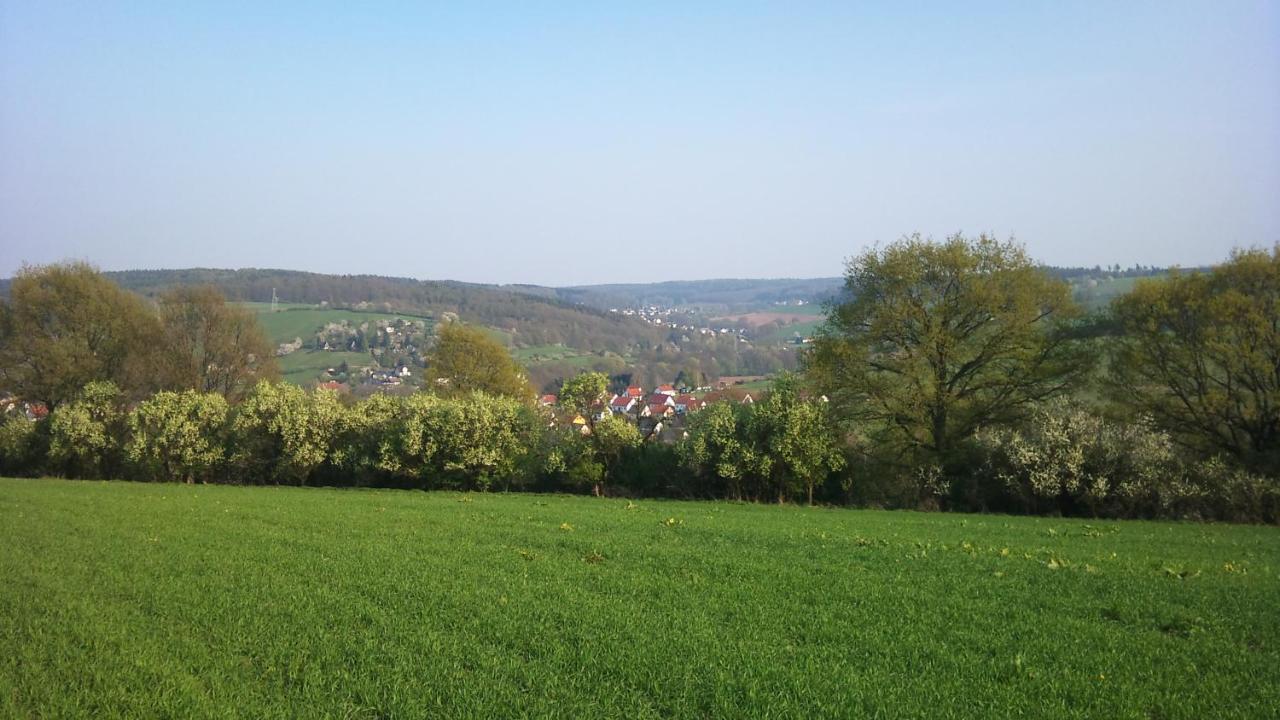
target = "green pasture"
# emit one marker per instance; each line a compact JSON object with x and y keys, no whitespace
{"x":304,"y":367}
{"x":133,"y":600}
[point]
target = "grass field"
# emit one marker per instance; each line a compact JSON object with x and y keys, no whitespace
{"x":304,"y":367}
{"x":284,"y":326}
{"x":132,"y":600}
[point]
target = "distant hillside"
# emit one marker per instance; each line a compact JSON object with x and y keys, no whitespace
{"x":528,"y":321}
{"x":554,"y":336}
{"x":711,"y":296}
{"x":702,"y":329}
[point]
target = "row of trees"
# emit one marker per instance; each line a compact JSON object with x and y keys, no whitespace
{"x":281,"y":434}
{"x":956,"y":374}
{"x":65,"y":326}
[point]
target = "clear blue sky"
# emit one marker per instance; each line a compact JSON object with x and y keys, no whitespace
{"x":559,"y":144}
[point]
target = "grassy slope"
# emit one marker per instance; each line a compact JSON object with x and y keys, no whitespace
{"x":122,"y":599}
{"x":286,"y":325}
{"x":304,"y":367}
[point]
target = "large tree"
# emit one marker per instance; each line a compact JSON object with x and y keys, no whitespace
{"x":65,"y":325}
{"x":210,"y":346}
{"x":465,"y":360}
{"x":1200,"y":353}
{"x":937,"y":339}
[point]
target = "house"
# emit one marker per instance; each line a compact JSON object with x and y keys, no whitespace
{"x":746,"y":399}
{"x":548,"y":400}
{"x":404,"y":371}
{"x":635,"y":391}
{"x":657,"y":411}
{"x":622,"y":404}
{"x":333,"y":385}
{"x":661,"y":399}
{"x":666,"y":390}
{"x":688,"y":403}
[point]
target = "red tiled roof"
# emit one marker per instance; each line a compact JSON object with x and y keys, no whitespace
{"x":549,"y":399}
{"x":635,"y":391}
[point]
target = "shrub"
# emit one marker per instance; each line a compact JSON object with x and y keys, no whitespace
{"x":178,"y":436}
{"x":1066,"y":458}
{"x":284,"y":434}
{"x":20,"y":451}
{"x":474,"y":441}
{"x":86,"y":435}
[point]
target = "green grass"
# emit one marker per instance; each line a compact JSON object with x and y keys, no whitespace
{"x":284,"y":326}
{"x":131,"y":600}
{"x":544,"y":353}
{"x":303,"y":367}
{"x":265,"y":307}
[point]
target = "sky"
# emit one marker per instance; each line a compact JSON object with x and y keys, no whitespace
{"x":563,"y":143}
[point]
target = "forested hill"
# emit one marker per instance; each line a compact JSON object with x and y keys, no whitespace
{"x":530,"y":320}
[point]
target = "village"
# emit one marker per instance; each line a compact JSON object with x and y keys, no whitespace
{"x":659,"y":415}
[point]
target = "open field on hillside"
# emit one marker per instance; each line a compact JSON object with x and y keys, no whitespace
{"x":304,"y":367}
{"x":121,"y":599}
{"x":285,"y":325}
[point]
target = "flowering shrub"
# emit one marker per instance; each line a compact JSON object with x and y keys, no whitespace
{"x":178,"y":436}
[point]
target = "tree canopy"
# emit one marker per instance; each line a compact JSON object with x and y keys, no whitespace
{"x":212,"y":346}
{"x":65,"y":325}
{"x":1200,"y":353}
{"x":465,"y":360}
{"x":940,"y":338}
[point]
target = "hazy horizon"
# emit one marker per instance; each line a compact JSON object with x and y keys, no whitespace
{"x":598,"y":145}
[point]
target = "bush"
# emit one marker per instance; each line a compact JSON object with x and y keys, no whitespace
{"x":1224,"y":491}
{"x":284,"y":434}
{"x":1067,"y":459}
{"x":475,"y":441}
{"x":178,"y":436}
{"x":20,"y":446}
{"x":86,"y":435}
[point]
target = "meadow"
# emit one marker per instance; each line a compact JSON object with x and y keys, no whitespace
{"x":305,"y":367}
{"x":303,"y":321}
{"x":132,"y":600}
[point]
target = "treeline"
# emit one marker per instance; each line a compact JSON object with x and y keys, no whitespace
{"x":474,"y":440}
{"x":956,"y":375}
{"x":971,"y":380}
